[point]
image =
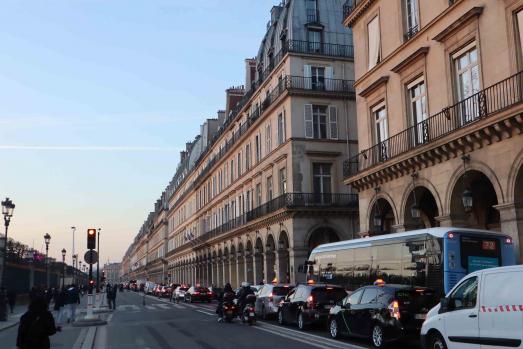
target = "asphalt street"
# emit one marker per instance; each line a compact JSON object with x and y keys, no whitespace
{"x":162,"y":324}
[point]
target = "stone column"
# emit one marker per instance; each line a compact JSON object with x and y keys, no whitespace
{"x":282,"y":264}
{"x":269,"y":266}
{"x":511,"y":219}
{"x":257,"y":267}
{"x":297,"y":257}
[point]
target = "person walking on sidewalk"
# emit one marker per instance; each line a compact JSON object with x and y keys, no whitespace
{"x":11,"y":299}
{"x":111,"y":296}
{"x":36,"y":325}
{"x":73,"y":299}
{"x":59,"y":304}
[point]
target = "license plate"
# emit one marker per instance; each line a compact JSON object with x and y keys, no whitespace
{"x":229,"y":312}
{"x":251,"y":314}
{"x":328,"y":306}
{"x":420,"y":316}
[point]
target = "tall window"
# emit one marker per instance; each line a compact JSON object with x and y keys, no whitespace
{"x":467,"y":80}
{"x":248,"y":200}
{"x":283,"y":181}
{"x":519,"y":38}
{"x":312,"y":13}
{"x":281,"y":128}
{"x":258,"y":148}
{"x":418,"y":109}
{"x":268,"y":139}
{"x":232,"y":171}
{"x":411,"y":18}
{"x":239,"y":164}
{"x":321,"y":181}
{"x":314,"y":41}
{"x":258,"y":194}
{"x":269,"y":188}
{"x":248,"y":157}
{"x":381,"y":131}
{"x":316,"y":123}
{"x":374,"y":42}
{"x":318,"y":78}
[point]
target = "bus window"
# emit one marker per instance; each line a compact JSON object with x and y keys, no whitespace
{"x":388,"y":263}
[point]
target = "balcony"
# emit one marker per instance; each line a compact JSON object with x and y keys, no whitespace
{"x":289,"y":201}
{"x":430,"y":139}
{"x":411,"y":32}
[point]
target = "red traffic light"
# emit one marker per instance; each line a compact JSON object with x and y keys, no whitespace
{"x":91,"y":239}
{"x":91,"y":282}
{"x":91,"y":232}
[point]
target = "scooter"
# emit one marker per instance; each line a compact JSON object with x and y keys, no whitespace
{"x":229,"y":311}
{"x":249,"y":314}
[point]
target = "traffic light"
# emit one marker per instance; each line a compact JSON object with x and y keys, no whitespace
{"x":91,"y":282}
{"x":103,"y":275}
{"x":91,"y":239}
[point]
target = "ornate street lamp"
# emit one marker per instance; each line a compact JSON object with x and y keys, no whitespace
{"x":7,"y":210}
{"x":466,"y":198}
{"x":47,"y":240}
{"x":63,"y":266}
{"x":415,"y":210}
{"x":377,"y":221}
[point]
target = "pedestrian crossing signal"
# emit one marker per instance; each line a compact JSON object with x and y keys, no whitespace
{"x":91,"y":239}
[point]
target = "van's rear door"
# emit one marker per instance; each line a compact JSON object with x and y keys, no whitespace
{"x":501,"y":309}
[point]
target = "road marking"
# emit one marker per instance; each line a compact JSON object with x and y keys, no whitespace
{"x":204,"y":312}
{"x":80,"y":339}
{"x":163,"y":306}
{"x":127,"y":306}
{"x":150,"y":307}
{"x":288,"y":336}
{"x":89,"y":338}
{"x":310,"y":336}
{"x":110,"y":317}
{"x":178,"y":306}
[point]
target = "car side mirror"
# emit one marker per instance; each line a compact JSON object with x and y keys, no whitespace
{"x":446,"y":304}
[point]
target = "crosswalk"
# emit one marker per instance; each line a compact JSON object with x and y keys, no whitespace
{"x":163,"y":307}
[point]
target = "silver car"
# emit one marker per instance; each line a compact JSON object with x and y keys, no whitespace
{"x":268,"y":298}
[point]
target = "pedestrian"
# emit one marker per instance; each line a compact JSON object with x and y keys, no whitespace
{"x":111,"y":296}
{"x":3,"y":304}
{"x":11,"y":299}
{"x":59,"y":298}
{"x":36,"y":325}
{"x":73,"y":299}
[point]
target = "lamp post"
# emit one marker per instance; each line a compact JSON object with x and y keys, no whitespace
{"x":7,"y":210}
{"x":75,"y":261}
{"x":98,"y":264}
{"x":467,"y":198}
{"x":63,"y":266}
{"x":73,"y":228}
{"x":47,"y":239}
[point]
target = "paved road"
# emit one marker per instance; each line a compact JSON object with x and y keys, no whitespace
{"x":161,"y":324}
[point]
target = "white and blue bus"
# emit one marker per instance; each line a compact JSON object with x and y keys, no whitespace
{"x":436,"y":258}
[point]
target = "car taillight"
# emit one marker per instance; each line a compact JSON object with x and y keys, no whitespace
{"x":270,"y":297}
{"x":310,"y":301}
{"x":394,"y":310}
{"x":209,"y":293}
{"x":508,"y":241}
{"x":196,"y":292}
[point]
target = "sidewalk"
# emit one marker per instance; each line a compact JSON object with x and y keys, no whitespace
{"x":13,"y":319}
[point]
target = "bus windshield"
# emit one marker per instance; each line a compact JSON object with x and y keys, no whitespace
{"x":479,"y":253}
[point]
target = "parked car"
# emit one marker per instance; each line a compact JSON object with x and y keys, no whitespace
{"x":215,"y":291}
{"x":484,"y":310}
{"x":309,"y":304}
{"x":149,"y":287}
{"x":382,"y":312}
{"x":268,"y":298}
{"x":157,"y":290}
{"x":198,"y":294}
{"x":179,"y":292}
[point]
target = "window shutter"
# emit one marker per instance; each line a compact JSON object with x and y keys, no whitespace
{"x":307,"y":74}
{"x":333,"y":122}
{"x":308,"y":121}
{"x":329,"y":84}
{"x":284,"y":127}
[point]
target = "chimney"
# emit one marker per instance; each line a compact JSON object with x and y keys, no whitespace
{"x":233,"y":96}
{"x":221,"y":117}
{"x":250,"y":72}
{"x":188,"y":146}
{"x":275,"y":13}
{"x":183,"y":155}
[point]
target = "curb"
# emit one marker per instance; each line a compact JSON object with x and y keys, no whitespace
{"x":9,"y":326}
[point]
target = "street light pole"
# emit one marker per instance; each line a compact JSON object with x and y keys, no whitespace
{"x":7,"y":210}
{"x":47,"y":239}
{"x":73,"y":228}
{"x":63,"y":267}
{"x":98,"y":263}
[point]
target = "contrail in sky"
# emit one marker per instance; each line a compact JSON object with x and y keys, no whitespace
{"x":90,"y":148}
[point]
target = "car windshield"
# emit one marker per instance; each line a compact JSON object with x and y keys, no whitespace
{"x":417,"y":297}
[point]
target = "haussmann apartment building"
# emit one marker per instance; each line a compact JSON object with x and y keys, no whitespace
{"x":439,"y":94}
{"x":262,"y":184}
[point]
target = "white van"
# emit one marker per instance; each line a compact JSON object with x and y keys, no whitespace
{"x":483,"y":311}
{"x":149,"y":287}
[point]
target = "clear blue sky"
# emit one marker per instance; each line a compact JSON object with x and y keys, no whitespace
{"x":97,"y":97}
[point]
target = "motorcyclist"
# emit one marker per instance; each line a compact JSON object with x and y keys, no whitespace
{"x":226,"y":296}
{"x":245,"y":291}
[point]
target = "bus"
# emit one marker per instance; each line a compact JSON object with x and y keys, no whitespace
{"x":436,"y":258}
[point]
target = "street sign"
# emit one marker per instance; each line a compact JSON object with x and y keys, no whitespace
{"x":91,"y":257}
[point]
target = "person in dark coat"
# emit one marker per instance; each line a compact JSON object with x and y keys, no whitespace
{"x":59,"y":304}
{"x":35,"y":327}
{"x":11,"y":299}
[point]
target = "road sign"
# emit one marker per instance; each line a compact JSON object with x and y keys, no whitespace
{"x":91,"y":257}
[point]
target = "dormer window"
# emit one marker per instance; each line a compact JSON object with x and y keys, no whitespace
{"x":312,"y":11}
{"x":314,"y":41}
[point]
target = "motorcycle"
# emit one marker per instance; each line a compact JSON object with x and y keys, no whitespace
{"x":249,"y":315}
{"x":229,"y":311}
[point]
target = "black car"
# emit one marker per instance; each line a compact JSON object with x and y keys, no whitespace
{"x":198,"y":294}
{"x":309,"y":304}
{"x":383,"y":313}
{"x":269,"y":297}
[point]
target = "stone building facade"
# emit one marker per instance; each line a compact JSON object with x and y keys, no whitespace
{"x":438,"y":91}
{"x":263,"y":182}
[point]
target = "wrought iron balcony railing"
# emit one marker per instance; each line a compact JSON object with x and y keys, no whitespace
{"x":486,"y":102}
{"x":411,"y":32}
{"x":289,"y":201}
{"x":313,"y":15}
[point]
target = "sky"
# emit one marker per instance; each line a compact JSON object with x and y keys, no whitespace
{"x":98,"y":97}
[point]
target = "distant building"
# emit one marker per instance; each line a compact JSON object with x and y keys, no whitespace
{"x":261,"y":186}
{"x":112,"y":272}
{"x":439,"y":99}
